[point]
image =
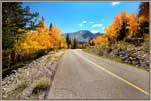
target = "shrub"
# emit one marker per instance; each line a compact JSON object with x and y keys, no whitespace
{"x":146,"y":43}
{"x":101,"y":51}
{"x":124,"y":45}
{"x":42,"y":85}
{"x":6,"y":58}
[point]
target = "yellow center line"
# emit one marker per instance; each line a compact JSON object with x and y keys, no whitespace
{"x":116,"y":76}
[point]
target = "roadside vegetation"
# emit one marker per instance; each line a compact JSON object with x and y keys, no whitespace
{"x":126,"y":39}
{"x":25,"y":38}
{"x":41,"y":86}
{"x":33,"y":80}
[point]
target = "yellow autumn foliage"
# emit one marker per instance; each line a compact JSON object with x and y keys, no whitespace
{"x":131,"y":22}
{"x":102,"y":40}
{"x":40,"y":39}
{"x":133,"y":25}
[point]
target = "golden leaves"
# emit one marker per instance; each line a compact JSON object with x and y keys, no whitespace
{"x":102,"y":40}
{"x":40,"y":39}
{"x":114,"y":30}
{"x":142,"y":19}
{"x":133,"y":25}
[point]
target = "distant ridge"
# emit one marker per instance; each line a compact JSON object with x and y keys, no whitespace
{"x":82,"y":35}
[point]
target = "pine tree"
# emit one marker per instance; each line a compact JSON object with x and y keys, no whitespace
{"x":75,"y":43}
{"x":68,"y":41}
{"x":144,"y":10}
{"x":16,"y":20}
{"x":50,"y":26}
{"x":143,"y":16}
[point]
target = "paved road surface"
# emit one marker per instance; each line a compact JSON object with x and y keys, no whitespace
{"x":84,"y":76}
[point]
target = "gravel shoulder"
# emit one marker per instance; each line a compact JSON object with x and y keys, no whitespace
{"x":33,"y":80}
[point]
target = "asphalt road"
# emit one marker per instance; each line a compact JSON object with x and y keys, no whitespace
{"x":84,"y":76}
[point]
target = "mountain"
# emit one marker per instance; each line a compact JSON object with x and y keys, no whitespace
{"x":82,"y":35}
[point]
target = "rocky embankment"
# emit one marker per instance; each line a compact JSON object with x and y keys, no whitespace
{"x":137,"y":57}
{"x":33,"y":80}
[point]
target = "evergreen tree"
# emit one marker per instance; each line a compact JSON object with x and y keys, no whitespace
{"x":68,"y":41}
{"x":16,"y":20}
{"x":50,"y":26}
{"x":144,"y":10}
{"x":123,"y":32}
{"x":75,"y":43}
{"x":143,"y":15}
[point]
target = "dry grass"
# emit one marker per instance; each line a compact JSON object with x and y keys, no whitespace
{"x":40,"y":87}
{"x":17,"y":93}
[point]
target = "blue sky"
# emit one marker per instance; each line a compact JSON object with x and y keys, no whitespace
{"x":74,"y":16}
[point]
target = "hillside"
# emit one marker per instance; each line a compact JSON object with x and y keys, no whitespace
{"x":82,"y":35}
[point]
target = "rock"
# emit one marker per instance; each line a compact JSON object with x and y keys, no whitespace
{"x":42,"y":95}
{"x":14,"y":71}
{"x":30,"y":72}
{"x":20,"y":70}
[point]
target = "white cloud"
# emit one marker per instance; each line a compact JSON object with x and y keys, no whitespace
{"x":103,"y":28}
{"x":84,"y":21}
{"x":115,"y":3}
{"x":94,"y":31}
{"x":97,"y":25}
{"x":80,"y":24}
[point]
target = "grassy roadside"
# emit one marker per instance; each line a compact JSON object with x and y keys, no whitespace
{"x":33,"y":81}
{"x":115,"y":59}
{"x":8,"y":70}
